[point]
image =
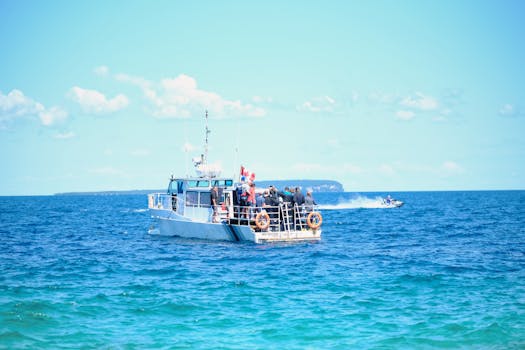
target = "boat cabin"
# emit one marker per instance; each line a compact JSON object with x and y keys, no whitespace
{"x":191,"y":197}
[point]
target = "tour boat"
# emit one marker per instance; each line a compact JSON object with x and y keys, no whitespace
{"x":186,"y":210}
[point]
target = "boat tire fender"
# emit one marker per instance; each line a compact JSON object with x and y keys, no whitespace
{"x":314,"y":220}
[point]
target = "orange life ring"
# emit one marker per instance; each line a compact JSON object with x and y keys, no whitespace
{"x":314,"y":220}
{"x":262,"y":220}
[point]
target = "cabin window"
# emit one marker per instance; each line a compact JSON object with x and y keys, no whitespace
{"x":176,"y":187}
{"x":192,"y":199}
{"x":192,"y":183}
{"x":198,"y":183}
{"x":222,"y":183}
{"x":205,"y":199}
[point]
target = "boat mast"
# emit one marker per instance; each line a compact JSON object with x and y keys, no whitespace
{"x":205,"y":157}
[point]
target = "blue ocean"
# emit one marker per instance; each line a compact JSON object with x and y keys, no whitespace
{"x":446,"y":270}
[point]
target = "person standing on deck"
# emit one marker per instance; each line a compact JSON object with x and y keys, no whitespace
{"x":259,"y":201}
{"x":309,"y":201}
{"x":251,"y":199}
{"x":298,"y":197}
{"x":214,"y":196}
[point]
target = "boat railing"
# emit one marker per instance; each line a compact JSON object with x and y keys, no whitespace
{"x":284,"y":217}
{"x":162,"y":201}
{"x":176,"y":203}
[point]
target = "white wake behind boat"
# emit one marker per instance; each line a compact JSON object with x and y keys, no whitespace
{"x":186,"y":210}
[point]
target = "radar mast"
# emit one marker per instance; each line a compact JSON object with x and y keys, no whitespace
{"x":205,"y":157}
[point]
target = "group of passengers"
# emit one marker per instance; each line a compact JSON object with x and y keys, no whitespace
{"x":248,"y":201}
{"x":271,"y":198}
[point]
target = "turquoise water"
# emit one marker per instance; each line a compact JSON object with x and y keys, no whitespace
{"x":447,"y":270}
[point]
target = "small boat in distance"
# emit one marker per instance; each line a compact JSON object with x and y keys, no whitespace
{"x":186,"y":210}
{"x":390,"y":202}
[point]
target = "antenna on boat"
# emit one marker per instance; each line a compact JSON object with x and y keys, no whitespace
{"x":236,"y":151}
{"x":205,"y":158}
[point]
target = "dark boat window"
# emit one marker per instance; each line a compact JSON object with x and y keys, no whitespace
{"x":205,"y":199}
{"x":192,"y":198}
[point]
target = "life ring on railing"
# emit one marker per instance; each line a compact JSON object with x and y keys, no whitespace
{"x":314,"y":220}
{"x":262,"y":220}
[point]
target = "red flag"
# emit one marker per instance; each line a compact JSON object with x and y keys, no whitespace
{"x":247,"y":174}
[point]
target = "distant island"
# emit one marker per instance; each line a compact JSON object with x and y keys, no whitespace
{"x":314,"y":185}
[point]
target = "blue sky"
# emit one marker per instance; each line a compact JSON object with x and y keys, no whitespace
{"x":379,"y":95}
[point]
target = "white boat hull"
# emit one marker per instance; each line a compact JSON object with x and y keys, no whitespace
{"x":392,"y":204}
{"x":171,"y":224}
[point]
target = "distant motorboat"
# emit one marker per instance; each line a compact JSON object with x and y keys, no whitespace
{"x":389,"y":202}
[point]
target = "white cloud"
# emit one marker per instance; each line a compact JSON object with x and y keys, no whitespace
{"x":382,"y":98}
{"x":507,"y":110}
{"x":261,"y":99}
{"x":440,"y":118}
{"x":101,"y":71}
{"x":420,"y":101}
{"x":352,"y":168}
{"x":140,"y":153}
{"x":308,"y":167}
{"x":93,"y":101}
{"x":181,"y":97}
{"x":386,"y":169}
{"x":318,"y":104}
{"x":137,"y":81}
{"x":334,"y":169}
{"x":16,"y":105}
{"x":64,"y":135}
{"x":188,"y":147}
{"x":52,"y":115}
{"x":450,"y":167}
{"x":333,"y":142}
{"x":354,"y":96}
{"x":106,"y":171}
{"x":405,"y":115}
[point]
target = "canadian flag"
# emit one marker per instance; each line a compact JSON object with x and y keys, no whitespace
{"x":247,"y":174}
